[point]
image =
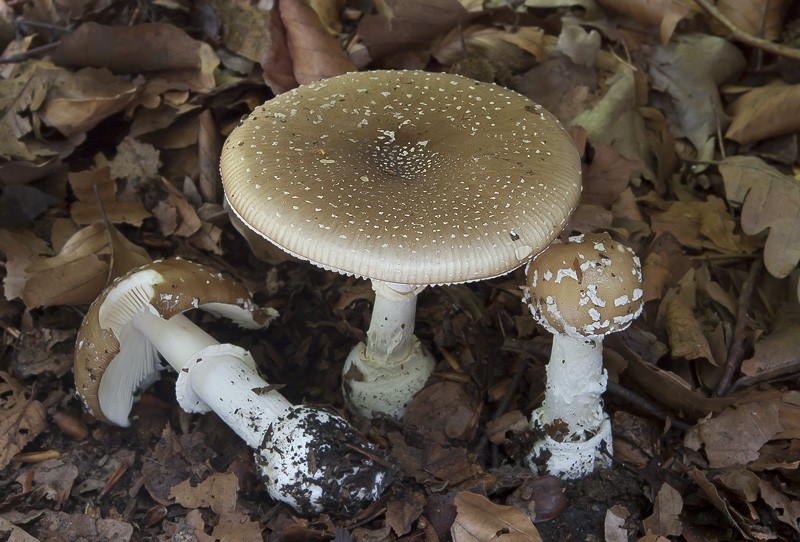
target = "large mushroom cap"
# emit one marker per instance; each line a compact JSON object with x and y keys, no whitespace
{"x":112,"y":361}
{"x":588,"y":287}
{"x":404,"y":176}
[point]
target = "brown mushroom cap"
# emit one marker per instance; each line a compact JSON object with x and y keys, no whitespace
{"x":171,"y":287}
{"x":587,"y":287}
{"x":404,"y":176}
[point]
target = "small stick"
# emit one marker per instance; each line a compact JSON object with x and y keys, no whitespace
{"x":736,"y":354}
{"x":645,"y":404}
{"x":744,"y":37}
{"x":25,"y":55}
{"x":790,"y":369}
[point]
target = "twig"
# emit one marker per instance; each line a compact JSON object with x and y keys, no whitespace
{"x":504,"y":402}
{"x":744,"y":37}
{"x":25,"y":55}
{"x":790,"y":369}
{"x":646,"y":405}
{"x":736,"y":353}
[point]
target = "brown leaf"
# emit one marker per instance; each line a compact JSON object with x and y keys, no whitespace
{"x":760,"y":18}
{"x":686,"y":339}
{"x":236,"y":527}
{"x":74,"y":283}
{"x":83,"y":527}
{"x":480,"y":520}
{"x":315,"y":53}
{"x":87,"y":210}
{"x":21,"y":248}
{"x":76,"y":102}
{"x":14,"y":533}
{"x":700,"y":225}
{"x":245,"y":29}
{"x":412,"y":23}
{"x":607,"y":176}
{"x":52,"y":480}
{"x":21,"y":419}
{"x":276,"y":62}
{"x":663,"y":13}
{"x":518,"y":50}
{"x":786,"y":509}
{"x":765,"y":112}
{"x":779,"y":348}
{"x":129,"y":49}
{"x":667,"y":507}
{"x":770,"y":200}
{"x":402,"y":513}
{"x":735,"y":436}
{"x":217,"y":492}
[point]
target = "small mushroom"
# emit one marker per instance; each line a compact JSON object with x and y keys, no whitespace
{"x":308,"y":457}
{"x":407,"y":178}
{"x":579,"y":291}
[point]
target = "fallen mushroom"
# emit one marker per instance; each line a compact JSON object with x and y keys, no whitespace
{"x":308,"y":457}
{"x":579,"y":291}
{"x":407,"y":178}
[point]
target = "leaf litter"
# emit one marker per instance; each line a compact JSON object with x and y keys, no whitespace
{"x":112,"y":118}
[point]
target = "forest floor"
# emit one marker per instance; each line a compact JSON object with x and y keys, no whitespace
{"x":686,"y":115}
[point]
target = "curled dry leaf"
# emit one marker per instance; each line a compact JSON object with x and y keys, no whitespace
{"x":217,"y":492}
{"x":480,"y":520}
{"x":87,"y":209}
{"x":760,"y":18}
{"x":771,"y":200}
{"x":666,"y":14}
{"x":21,"y":419}
{"x":409,"y":24}
{"x":314,"y":52}
{"x":735,"y":436}
{"x":686,"y":338}
{"x":129,"y":49}
{"x":666,"y":509}
{"x":765,"y":112}
{"x":517,"y":50}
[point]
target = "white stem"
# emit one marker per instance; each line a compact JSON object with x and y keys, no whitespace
{"x":577,"y":431}
{"x":386,"y":373}
{"x":391,"y":329}
{"x":311,"y":459}
{"x":176,"y":339}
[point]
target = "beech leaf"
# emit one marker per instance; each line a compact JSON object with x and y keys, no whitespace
{"x":771,"y":200}
{"x":480,"y":520}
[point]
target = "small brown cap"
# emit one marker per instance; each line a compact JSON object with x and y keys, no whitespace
{"x":170,"y":287}
{"x":588,"y":287}
{"x":407,"y":177}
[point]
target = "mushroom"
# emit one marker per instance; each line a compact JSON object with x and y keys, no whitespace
{"x":308,"y":458}
{"x":579,"y":291}
{"x":409,"y":179}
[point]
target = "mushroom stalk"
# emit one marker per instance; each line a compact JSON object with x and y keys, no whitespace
{"x":391,"y":328}
{"x":577,"y":431}
{"x":308,"y":458}
{"x":386,"y":373}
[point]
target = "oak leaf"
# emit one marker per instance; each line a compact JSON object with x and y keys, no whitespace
{"x":480,"y":520}
{"x":769,"y":199}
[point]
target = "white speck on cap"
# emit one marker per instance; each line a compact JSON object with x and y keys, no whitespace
{"x":464,"y":199}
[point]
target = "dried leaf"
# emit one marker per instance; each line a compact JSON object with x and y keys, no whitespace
{"x":217,"y":492}
{"x":614,"y":526}
{"x":765,"y":112}
{"x":686,"y":339}
{"x":517,"y":50}
{"x":771,"y":200}
{"x":607,"y":176}
{"x":700,"y":225}
{"x":480,"y":520}
{"x":779,"y":348}
{"x":413,"y":23}
{"x":667,"y":507}
{"x":760,"y":18}
{"x":787,"y":510}
{"x":84,"y":527}
{"x":245,"y":29}
{"x":236,"y":527}
{"x":76,"y":102}
{"x":129,"y":49}
{"x":735,"y":436}
{"x":14,"y":533}
{"x":87,"y":210}
{"x":315,"y":53}
{"x":21,"y":419}
{"x":21,"y":248}
{"x":402,"y":513}
{"x":663,"y":13}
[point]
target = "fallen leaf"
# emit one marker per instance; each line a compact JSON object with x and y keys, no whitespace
{"x":236,"y":527}
{"x":403,"y":511}
{"x":764,"y":112}
{"x":786,"y":509}
{"x":665,"y":14}
{"x":129,"y":49}
{"x":777,"y":349}
{"x":760,"y":18}
{"x":217,"y":492}
{"x":480,"y":520}
{"x":771,"y":200}
{"x":21,"y":419}
{"x":76,"y":527}
{"x":21,"y":248}
{"x":614,"y":525}
{"x":735,"y":436}
{"x":87,"y":209}
{"x":52,"y":480}
{"x":700,"y":225}
{"x":413,"y":23}
{"x":315,"y":53}
{"x":667,"y":507}
{"x":518,"y":50}
{"x":686,"y":338}
{"x":245,"y":29}
{"x":14,"y":533}
{"x":607,"y":176}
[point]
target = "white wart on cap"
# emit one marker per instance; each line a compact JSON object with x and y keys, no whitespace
{"x":405,"y":177}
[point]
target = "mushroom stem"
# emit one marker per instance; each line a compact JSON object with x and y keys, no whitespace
{"x":386,"y":373}
{"x":304,"y":454}
{"x":176,"y":339}
{"x":391,"y":329}
{"x":577,"y":432}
